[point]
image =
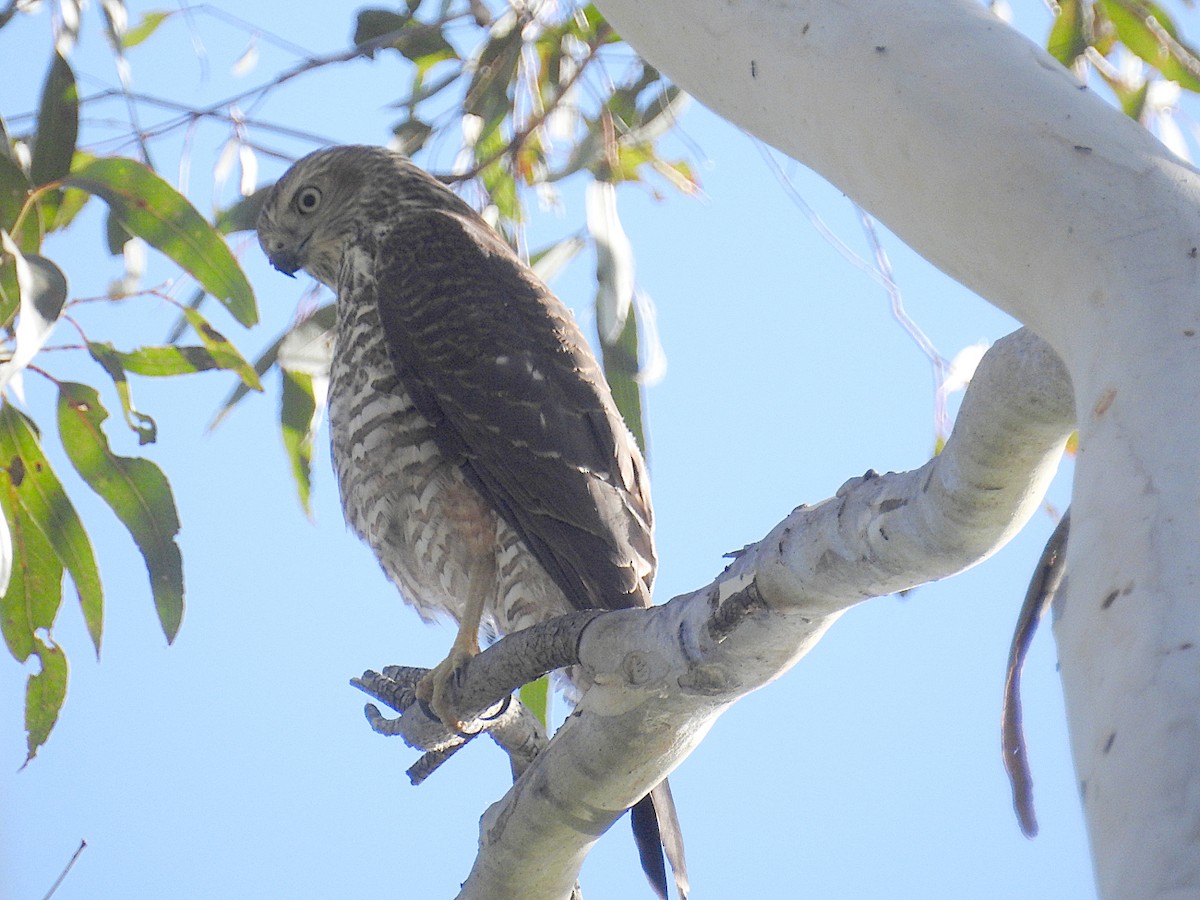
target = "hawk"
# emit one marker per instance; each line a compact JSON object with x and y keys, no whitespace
{"x":477,"y":447}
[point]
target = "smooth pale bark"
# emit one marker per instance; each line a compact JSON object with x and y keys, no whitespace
{"x":991,"y":160}
{"x":660,"y":677}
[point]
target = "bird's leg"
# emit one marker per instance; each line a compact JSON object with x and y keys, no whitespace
{"x":432,"y":688}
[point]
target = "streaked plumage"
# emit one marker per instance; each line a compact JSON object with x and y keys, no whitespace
{"x":476,"y":444}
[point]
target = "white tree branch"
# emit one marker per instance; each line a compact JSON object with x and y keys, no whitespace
{"x":988,"y":158}
{"x":660,"y":677}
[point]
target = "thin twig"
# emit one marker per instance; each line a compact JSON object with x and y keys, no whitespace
{"x":66,"y":871}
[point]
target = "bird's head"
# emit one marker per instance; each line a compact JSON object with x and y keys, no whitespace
{"x":331,"y":197}
{"x":312,"y":212}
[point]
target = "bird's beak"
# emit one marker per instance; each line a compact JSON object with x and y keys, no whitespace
{"x":285,"y":263}
{"x":287,"y":260}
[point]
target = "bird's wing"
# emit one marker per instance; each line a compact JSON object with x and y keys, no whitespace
{"x":500,"y":368}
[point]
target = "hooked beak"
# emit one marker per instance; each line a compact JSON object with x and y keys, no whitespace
{"x":287,"y":261}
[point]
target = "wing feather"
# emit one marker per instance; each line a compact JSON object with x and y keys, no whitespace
{"x":499,"y":367}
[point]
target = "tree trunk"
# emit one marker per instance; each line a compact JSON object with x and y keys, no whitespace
{"x":991,"y":160}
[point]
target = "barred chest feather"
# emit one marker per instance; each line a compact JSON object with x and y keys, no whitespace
{"x":413,"y":506}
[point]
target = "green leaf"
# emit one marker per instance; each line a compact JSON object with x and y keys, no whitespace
{"x":145,"y":28}
{"x":57,"y":125}
{"x":115,"y":234}
{"x":620,"y":362}
{"x":151,"y":209}
{"x":14,"y":192}
{"x":298,"y":422}
{"x":165,"y":361}
{"x":243,"y":215}
{"x":41,"y":496}
{"x":424,"y":45}
{"x":495,"y":71}
{"x":135,"y":489}
{"x":34,"y":593}
{"x":139,"y":423}
{"x":1147,"y":30}
{"x":44,"y":696}
{"x":376,"y":24}
{"x":223,"y":353}
{"x":1067,"y":40}
{"x":411,"y":135}
{"x":535,"y":696}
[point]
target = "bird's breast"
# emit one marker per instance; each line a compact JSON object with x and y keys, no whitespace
{"x":412,"y":505}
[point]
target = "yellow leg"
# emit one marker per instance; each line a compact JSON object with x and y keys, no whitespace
{"x":432,"y":688}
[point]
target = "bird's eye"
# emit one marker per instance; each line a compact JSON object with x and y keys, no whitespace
{"x":308,"y":200}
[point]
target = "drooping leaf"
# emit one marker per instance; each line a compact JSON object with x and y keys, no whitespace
{"x":44,"y":696}
{"x":6,"y":562}
{"x":297,"y":422}
{"x":495,"y":72}
{"x":139,"y":423}
{"x":34,"y":593}
{"x":149,"y":208}
{"x":135,"y":489}
{"x":14,"y":192}
{"x":115,"y":234}
{"x":223,"y":353}
{"x":497,"y":179}
{"x":42,"y":289}
{"x":304,"y":358}
{"x":57,"y":130}
{"x":243,"y":215}
{"x":621,"y":367}
{"x":1068,"y":40}
{"x":41,"y":496}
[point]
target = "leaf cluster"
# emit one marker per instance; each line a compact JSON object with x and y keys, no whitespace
{"x":532,"y":97}
{"x":1091,"y":32}
{"x":42,"y":536}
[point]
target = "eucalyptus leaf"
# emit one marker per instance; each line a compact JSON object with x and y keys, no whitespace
{"x":298,"y":418}
{"x":135,"y":489}
{"x":57,"y":125}
{"x":44,"y":696}
{"x":36,"y":490}
{"x":149,"y":208}
{"x":141,"y":424}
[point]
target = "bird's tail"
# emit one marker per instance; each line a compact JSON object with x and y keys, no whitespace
{"x":656,"y":832}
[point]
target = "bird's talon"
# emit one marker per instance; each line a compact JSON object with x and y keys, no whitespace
{"x":433,"y":689}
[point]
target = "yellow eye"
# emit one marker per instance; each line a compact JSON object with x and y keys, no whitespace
{"x":307,"y":200}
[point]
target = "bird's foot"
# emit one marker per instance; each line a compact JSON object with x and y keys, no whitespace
{"x":433,"y":689}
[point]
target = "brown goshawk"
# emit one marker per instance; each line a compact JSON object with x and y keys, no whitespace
{"x":477,"y":447}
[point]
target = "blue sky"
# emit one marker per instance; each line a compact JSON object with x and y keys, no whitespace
{"x":237,"y":763}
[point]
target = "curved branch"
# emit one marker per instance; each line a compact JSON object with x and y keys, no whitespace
{"x":660,"y":677}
